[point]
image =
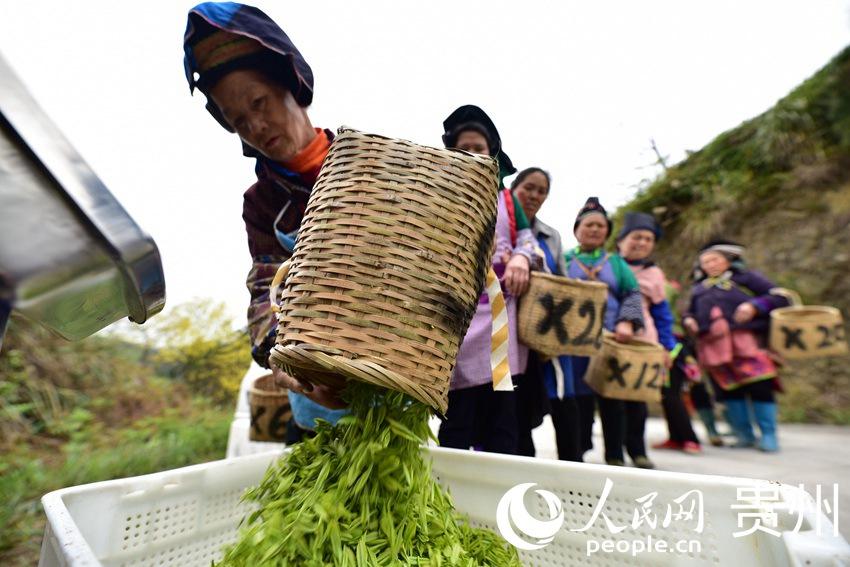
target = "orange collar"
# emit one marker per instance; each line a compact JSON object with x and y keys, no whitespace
{"x":310,"y":159}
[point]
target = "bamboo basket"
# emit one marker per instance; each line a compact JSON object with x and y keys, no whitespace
{"x":633,"y":371}
{"x":560,"y":315}
{"x":806,"y":331}
{"x":270,"y":410}
{"x":390,"y":262}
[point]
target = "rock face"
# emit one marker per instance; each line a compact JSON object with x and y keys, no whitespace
{"x":780,"y":184}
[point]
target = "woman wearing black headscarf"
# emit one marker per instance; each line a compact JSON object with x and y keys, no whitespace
{"x":478,"y":415}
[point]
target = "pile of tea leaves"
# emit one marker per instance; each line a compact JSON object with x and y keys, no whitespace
{"x":360,"y":493}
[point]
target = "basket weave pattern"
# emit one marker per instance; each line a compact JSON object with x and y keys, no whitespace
{"x":628,"y":371}
{"x":810,"y":331}
{"x":806,"y":331}
{"x":270,"y":410}
{"x":390,"y":262}
{"x":559,"y":315}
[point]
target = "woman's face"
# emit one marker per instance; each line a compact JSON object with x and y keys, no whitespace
{"x":637,"y":245}
{"x":532,"y":192}
{"x":713,"y":263}
{"x":473,"y":142}
{"x":592,"y":231}
{"x":263,"y":113}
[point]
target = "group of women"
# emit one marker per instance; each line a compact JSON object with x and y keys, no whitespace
{"x":259,"y":86}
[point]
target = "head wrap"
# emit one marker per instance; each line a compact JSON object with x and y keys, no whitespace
{"x":224,"y":36}
{"x":590,"y":207}
{"x":470,"y":117}
{"x":733,"y":252}
{"x":639,"y":221}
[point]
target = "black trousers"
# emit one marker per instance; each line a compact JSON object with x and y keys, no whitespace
{"x":532,"y":404}
{"x":636,"y":414}
{"x":480,"y":416}
{"x":623,"y":424}
{"x":586,"y":409}
{"x":567,"y":421}
{"x":761,"y":391}
{"x":701,"y":396}
{"x":525,"y":443}
{"x":675,"y":412}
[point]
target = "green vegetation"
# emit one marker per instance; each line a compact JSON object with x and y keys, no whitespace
{"x":780,"y":184}
{"x":105,"y":407}
{"x":360,"y":493}
{"x":801,"y":143}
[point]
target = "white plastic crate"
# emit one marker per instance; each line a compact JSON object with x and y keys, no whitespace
{"x":183,"y":517}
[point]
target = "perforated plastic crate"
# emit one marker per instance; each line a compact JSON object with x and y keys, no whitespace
{"x":183,"y":517}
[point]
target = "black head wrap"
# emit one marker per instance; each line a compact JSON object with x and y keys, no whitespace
{"x":470,"y":117}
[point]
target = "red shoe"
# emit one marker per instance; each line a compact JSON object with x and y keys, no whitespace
{"x":691,"y":448}
{"x":669,"y":444}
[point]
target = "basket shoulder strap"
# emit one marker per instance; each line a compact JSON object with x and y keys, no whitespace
{"x":592,"y":272}
{"x":499,"y":363}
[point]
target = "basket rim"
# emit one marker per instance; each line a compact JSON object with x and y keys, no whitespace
{"x":364,"y":369}
{"x":784,"y":312}
{"x":566,"y":279}
{"x":481,"y":159}
{"x":635,"y":344}
{"x":267,"y":380}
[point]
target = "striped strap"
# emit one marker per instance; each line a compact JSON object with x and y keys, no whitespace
{"x":499,"y":347}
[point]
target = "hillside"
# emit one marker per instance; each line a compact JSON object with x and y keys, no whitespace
{"x":106,"y":407}
{"x":780,"y":184}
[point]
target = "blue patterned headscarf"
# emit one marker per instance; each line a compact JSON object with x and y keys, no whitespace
{"x":224,"y":36}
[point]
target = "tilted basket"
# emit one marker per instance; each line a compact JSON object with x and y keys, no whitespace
{"x":390,"y":262}
{"x":634,"y":370}
{"x":560,"y":315}
{"x":806,"y":331}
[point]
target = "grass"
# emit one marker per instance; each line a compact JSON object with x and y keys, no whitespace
{"x":104,"y":408}
{"x":179,"y":436}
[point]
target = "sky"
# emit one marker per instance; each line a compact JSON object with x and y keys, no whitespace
{"x":577,"y":88}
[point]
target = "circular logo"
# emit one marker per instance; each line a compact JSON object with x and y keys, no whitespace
{"x":513,"y":517}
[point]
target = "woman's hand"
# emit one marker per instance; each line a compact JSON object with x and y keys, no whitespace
{"x":691,"y":325}
{"x":624,"y":331}
{"x":517,"y":275}
{"x":745,"y":313}
{"x":323,"y":395}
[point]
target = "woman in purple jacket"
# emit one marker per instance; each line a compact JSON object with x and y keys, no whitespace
{"x":477,"y":415}
{"x":729,"y":314}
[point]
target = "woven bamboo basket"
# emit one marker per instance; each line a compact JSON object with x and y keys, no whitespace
{"x":559,"y":315}
{"x":390,"y":262}
{"x":806,"y":331}
{"x":270,"y":410}
{"x":628,"y":371}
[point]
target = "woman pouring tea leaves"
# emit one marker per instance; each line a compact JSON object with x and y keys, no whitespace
{"x":259,"y":86}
